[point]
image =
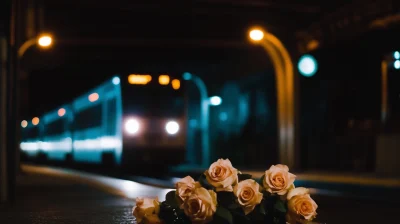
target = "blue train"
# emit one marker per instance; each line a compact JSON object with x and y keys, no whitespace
{"x":128,"y":120}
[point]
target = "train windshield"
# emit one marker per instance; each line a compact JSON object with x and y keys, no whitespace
{"x":153,"y":100}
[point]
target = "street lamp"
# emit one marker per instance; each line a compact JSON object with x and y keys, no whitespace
{"x":43,"y":41}
{"x":284,"y":76}
{"x":384,"y":82}
{"x":215,"y":101}
{"x":307,"y":65}
{"x":204,"y":116}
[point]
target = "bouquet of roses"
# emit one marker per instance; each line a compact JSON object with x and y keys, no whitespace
{"x":224,"y":195}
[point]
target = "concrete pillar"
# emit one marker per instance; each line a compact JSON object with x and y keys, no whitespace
{"x":3,"y":121}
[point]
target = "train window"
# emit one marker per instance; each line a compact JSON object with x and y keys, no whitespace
{"x":30,"y":133}
{"x":55,"y":128}
{"x":111,"y":116}
{"x":89,"y":118}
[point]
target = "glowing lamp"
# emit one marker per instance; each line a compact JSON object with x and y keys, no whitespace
{"x":45,"y":41}
{"x":24,"y":124}
{"x":396,"y":55}
{"x":35,"y":121}
{"x":172,"y":127}
{"x":215,"y":100}
{"x":93,"y":97}
{"x":61,"y":112}
{"x":397,"y":64}
{"x":187,"y":76}
{"x":307,"y":65}
{"x":256,"y":34}
{"x":116,"y":80}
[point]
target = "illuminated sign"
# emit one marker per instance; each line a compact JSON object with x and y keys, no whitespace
{"x":136,"y":79}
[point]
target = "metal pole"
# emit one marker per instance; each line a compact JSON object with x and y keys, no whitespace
{"x":11,"y":103}
{"x":384,"y":95}
{"x":3,"y":112}
{"x":204,"y":120}
{"x":286,"y":110}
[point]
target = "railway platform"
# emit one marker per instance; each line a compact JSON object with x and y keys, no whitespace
{"x":60,"y":195}
{"x":51,"y":195}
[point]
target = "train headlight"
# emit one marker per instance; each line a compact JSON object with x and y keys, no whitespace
{"x":172,"y":127}
{"x":132,"y":126}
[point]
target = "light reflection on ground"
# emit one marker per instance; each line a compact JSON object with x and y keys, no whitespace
{"x":124,"y":188}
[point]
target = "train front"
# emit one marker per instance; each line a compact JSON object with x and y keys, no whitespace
{"x":153,"y":120}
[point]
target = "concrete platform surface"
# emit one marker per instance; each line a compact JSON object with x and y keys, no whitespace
{"x":48,"y":199}
{"x":53,"y":195}
{"x":59,"y":196}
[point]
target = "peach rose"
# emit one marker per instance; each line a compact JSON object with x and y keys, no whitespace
{"x":222,"y":175}
{"x":184,"y":189}
{"x":201,"y":205}
{"x":248,"y":194}
{"x":146,"y":210}
{"x":301,"y":207}
{"x":278,"y":180}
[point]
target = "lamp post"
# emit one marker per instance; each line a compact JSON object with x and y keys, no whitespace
{"x":204,"y":116}
{"x":395,"y":61}
{"x":3,"y":122}
{"x":284,"y":76}
{"x":43,"y":41}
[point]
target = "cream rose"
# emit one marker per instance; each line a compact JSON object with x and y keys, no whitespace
{"x":184,"y":189}
{"x":222,"y":175}
{"x":301,"y":207}
{"x":146,"y":210}
{"x":248,"y":195}
{"x":278,"y":180}
{"x":201,"y":205}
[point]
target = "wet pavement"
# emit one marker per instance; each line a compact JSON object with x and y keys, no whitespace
{"x":45,"y":199}
{"x":48,"y":195}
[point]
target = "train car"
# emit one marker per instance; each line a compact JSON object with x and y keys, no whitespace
{"x":96,"y":128}
{"x":130,"y":120}
{"x":31,"y":138}
{"x":56,"y":141}
{"x":154,"y":120}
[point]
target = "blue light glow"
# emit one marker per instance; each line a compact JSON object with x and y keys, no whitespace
{"x":172,"y":127}
{"x":397,"y":64}
{"x":215,"y":100}
{"x":116,"y":80}
{"x":307,"y":65}
{"x":223,"y":116}
{"x":187,"y":76}
{"x":396,"y":55}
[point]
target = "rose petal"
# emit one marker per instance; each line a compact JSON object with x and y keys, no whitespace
{"x":297,"y":191}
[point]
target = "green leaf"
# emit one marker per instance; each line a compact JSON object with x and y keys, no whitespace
{"x":244,"y":176}
{"x":261,"y":180}
{"x":172,"y":215}
{"x":262,"y":208}
{"x":234,"y":206}
{"x":280,"y":206}
{"x":204,"y":183}
{"x":225,"y":199}
{"x":225,"y":214}
{"x":171,"y":199}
